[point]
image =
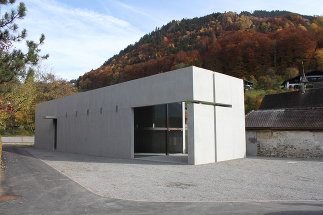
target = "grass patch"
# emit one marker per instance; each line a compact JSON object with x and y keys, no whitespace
{"x":255,"y":92}
{"x":253,"y":98}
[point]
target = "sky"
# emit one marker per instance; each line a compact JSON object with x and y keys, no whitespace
{"x":81,"y":34}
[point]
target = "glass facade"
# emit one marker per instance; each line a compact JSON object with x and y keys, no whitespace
{"x":159,"y":129}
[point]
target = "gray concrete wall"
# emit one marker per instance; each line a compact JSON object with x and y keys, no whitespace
{"x":201,"y":131}
{"x":100,"y":122}
{"x":228,"y":119}
{"x":230,"y":122}
{"x":302,"y":144}
{"x":108,"y":132}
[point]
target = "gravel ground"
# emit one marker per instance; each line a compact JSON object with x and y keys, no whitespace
{"x":249,"y":179}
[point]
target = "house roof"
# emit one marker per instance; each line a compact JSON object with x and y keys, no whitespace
{"x":297,"y":78}
{"x":246,"y":82}
{"x":310,"y":99}
{"x":286,"y":119}
{"x":289,"y":111}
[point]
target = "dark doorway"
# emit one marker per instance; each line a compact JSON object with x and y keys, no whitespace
{"x":159,"y":129}
{"x":55,"y":133}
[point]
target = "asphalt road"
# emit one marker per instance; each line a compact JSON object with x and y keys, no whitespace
{"x":36,"y":188}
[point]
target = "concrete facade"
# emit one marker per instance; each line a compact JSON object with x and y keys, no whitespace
{"x":101,"y":122}
{"x":278,"y":143}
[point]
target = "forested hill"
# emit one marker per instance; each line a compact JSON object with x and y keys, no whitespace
{"x":259,"y":45}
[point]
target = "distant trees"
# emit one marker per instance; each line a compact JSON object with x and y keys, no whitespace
{"x":50,"y":87}
{"x":265,"y":82}
{"x":253,"y":100}
{"x":319,"y":58}
{"x":18,"y":88}
{"x":266,"y":14}
{"x":294,"y":46}
{"x":291,"y":72}
{"x":262,"y":44}
{"x":18,"y":104}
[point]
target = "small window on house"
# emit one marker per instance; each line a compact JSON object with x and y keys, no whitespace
{"x":88,"y":112}
{"x":66,"y":115}
{"x":117,"y":108}
{"x":101,"y":110}
{"x":75,"y":113}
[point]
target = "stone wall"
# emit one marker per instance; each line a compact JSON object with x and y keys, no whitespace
{"x":301,"y":144}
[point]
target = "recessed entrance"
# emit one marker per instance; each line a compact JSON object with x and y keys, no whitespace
{"x":55,"y":133}
{"x":159,"y":132}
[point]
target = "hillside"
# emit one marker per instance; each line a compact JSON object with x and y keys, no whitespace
{"x":257,"y":46}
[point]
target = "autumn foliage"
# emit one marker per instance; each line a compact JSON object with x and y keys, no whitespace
{"x":245,"y":45}
{"x":18,"y":104}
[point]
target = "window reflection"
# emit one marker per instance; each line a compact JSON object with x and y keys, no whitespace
{"x":158,"y":129}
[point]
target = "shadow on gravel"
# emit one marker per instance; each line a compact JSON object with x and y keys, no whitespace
{"x":304,"y":204}
{"x":296,"y":213}
{"x":305,"y":212}
{"x":72,"y":157}
{"x":289,"y":159}
{"x":2,"y":191}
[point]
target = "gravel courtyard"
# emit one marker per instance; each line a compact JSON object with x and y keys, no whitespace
{"x":250,"y":179}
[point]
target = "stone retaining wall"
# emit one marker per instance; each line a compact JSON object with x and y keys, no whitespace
{"x":301,"y":144}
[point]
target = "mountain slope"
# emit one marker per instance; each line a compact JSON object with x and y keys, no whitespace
{"x":244,"y":45}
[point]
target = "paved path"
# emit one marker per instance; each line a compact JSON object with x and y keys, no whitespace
{"x":250,"y":179}
{"x":45,"y":191}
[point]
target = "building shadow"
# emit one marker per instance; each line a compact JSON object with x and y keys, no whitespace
{"x":47,"y":155}
{"x":296,"y":213}
{"x":284,"y":158}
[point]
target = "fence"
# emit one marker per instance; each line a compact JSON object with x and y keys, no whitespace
{"x":17,"y":139}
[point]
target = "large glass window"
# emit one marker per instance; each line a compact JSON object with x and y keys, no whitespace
{"x":158,"y":129}
{"x":175,"y":115}
{"x":150,"y":116}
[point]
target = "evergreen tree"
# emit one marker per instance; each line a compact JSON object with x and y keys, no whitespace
{"x":14,"y":63}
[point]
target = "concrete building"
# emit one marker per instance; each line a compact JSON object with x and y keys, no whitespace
{"x":189,"y":111}
{"x":287,"y":125}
